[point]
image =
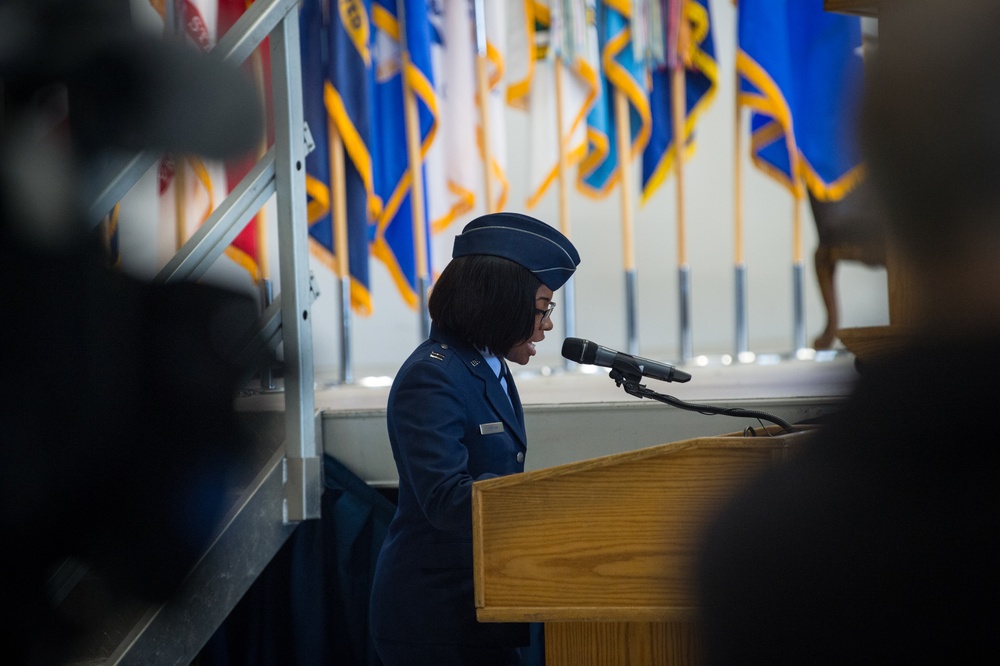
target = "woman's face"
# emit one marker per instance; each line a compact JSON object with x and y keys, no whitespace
{"x":522,"y":352}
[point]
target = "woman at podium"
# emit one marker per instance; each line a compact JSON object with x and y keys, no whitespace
{"x":454,"y":417}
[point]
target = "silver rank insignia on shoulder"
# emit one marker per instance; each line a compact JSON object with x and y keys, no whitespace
{"x":437,"y":356}
{"x":490,"y":428}
{"x":475,"y":362}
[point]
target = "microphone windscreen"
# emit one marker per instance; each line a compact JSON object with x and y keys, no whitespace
{"x":573,"y":349}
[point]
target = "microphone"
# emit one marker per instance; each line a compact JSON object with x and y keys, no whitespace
{"x":591,"y":353}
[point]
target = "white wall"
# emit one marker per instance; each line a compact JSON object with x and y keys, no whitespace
{"x":384,"y":339}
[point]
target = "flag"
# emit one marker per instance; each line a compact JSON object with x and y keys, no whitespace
{"x":394,"y":242}
{"x":313,"y":28}
{"x":455,"y":182}
{"x":248,"y":248}
{"x":624,"y":71}
{"x":188,"y":185}
{"x":545,"y":36}
{"x":496,"y":58}
{"x":337,"y":80}
{"x":800,"y":71}
{"x":696,"y":53}
{"x":186,"y":199}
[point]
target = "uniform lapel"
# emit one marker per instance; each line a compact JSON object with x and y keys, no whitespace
{"x":508,"y":409}
{"x":515,"y":399}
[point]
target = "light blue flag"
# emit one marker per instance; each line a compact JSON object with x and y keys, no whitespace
{"x":619,"y":69}
{"x":394,"y":242}
{"x":801,"y":74}
{"x":700,"y":81}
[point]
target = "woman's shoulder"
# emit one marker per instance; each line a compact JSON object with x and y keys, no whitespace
{"x":434,"y":357}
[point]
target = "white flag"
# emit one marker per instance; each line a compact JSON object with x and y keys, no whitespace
{"x":544,"y":36}
{"x":455,"y":167}
{"x":190,"y":188}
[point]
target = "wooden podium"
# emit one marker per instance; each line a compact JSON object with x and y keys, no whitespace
{"x":601,"y":550}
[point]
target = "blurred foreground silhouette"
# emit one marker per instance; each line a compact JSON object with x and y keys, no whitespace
{"x":118,"y":437}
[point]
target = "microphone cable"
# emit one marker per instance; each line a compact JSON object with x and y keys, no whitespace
{"x":640,"y":391}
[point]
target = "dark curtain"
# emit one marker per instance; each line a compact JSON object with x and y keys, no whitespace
{"x":310,"y":604}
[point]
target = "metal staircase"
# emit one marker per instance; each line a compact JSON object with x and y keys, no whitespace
{"x":286,"y":487}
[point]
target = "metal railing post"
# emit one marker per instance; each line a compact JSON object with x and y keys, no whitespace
{"x":303,"y":464}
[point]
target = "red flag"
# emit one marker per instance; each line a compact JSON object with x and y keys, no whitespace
{"x":248,"y":249}
{"x":183,"y":198}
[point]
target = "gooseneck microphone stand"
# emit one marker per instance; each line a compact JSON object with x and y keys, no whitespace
{"x":627,"y":374}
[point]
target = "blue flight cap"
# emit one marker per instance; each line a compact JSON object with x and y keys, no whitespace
{"x":524,"y":240}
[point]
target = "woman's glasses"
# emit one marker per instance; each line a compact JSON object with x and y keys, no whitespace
{"x":546,"y":312}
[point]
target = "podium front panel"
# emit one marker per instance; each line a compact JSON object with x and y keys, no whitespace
{"x":612,"y":538}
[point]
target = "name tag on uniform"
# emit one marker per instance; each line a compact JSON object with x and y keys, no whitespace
{"x":490,"y":428}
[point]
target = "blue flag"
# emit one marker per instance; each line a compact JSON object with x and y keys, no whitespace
{"x":622,"y":70}
{"x":395,"y":244}
{"x":800,"y":73}
{"x":318,"y":196}
{"x":348,"y":96}
{"x":700,"y":76}
{"x":331,"y":54}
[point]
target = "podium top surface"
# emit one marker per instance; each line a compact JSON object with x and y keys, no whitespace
{"x":763,"y":439}
{"x":857,"y":7}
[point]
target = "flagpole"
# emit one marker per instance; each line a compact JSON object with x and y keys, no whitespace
{"x":260,"y":220}
{"x":742,"y":331}
{"x":679,"y":101}
{"x":338,"y":182}
{"x":109,"y":236}
{"x":622,"y":132}
{"x":569,"y":291}
{"x":483,"y":88}
{"x":416,"y":176}
{"x":260,"y":223}
{"x":799,"y":331}
{"x":173,"y":24}
{"x":180,"y":208}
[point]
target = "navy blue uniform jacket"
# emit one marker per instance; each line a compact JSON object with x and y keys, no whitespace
{"x":450,"y":423}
